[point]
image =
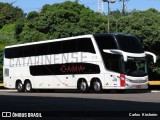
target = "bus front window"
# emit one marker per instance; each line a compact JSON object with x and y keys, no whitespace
{"x":136,"y":68}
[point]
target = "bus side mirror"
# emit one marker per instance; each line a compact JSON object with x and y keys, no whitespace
{"x":152,"y":54}
{"x":114,"y":51}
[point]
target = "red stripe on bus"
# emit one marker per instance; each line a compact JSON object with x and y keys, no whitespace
{"x":122,"y":80}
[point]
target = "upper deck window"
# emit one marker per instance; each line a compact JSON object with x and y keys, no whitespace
{"x":129,"y":44}
{"x":106,"y":42}
{"x":58,"y":47}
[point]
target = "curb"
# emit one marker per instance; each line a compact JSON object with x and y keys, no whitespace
{"x":155,"y":91}
{"x":1,"y":85}
{"x":7,"y":90}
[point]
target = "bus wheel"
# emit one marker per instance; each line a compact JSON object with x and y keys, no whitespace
{"x":83,"y":86}
{"x":97,"y":86}
{"x":28,"y":86}
{"x":20,"y":87}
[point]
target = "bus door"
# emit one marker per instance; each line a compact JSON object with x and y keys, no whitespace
{"x":114,"y":69}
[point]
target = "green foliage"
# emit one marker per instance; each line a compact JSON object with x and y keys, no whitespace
{"x":9,"y":14}
{"x":30,"y":35}
{"x":6,"y":38}
{"x":32,"y":15}
{"x":7,"y":35}
{"x":19,"y":27}
{"x":116,"y":13}
{"x":60,"y":20}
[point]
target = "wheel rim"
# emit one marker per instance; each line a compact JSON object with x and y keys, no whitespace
{"x":97,"y":86}
{"x":28,"y":86}
{"x":83,"y":86}
{"x":19,"y":86}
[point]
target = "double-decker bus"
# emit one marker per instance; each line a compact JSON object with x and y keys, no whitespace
{"x":99,"y":61}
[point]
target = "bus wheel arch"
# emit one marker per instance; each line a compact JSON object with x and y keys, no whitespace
{"x":96,"y":84}
{"x":19,"y":86}
{"x":82,"y":85}
{"x":28,"y":85}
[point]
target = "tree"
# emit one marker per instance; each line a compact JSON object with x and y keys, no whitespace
{"x":32,"y":15}
{"x":6,"y":38}
{"x":9,"y":14}
{"x":116,"y":13}
{"x":61,"y":20}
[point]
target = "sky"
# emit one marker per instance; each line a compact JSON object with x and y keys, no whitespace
{"x":36,"y":5}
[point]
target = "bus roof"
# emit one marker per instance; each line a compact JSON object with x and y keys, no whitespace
{"x":68,"y":38}
{"x":48,"y":41}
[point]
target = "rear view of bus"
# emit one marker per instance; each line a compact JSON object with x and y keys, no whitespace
{"x":125,"y":60}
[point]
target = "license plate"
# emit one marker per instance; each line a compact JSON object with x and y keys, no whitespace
{"x":138,"y":86}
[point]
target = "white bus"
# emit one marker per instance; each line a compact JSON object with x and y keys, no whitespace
{"x":98,"y":61}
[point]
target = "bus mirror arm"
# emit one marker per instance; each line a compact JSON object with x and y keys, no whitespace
{"x":152,"y":54}
{"x":114,"y":51}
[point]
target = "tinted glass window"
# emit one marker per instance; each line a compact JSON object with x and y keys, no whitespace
{"x":136,"y":68}
{"x":106,"y":42}
{"x":85,"y":45}
{"x":42,"y":49}
{"x":78,"y":45}
{"x":113,"y":62}
{"x":28,"y":51}
{"x":62,"y":69}
{"x":55,"y":47}
{"x":13,"y":52}
{"x":129,"y":44}
{"x":69,"y":46}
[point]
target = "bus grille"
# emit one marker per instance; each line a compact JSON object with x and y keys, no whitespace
{"x":138,"y":81}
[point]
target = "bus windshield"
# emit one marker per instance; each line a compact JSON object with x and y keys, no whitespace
{"x":136,"y":68}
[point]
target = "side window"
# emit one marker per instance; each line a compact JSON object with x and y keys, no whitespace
{"x":111,"y":43}
{"x":17,"y":52}
{"x":41,"y":49}
{"x":114,"y":65}
{"x":8,"y":53}
{"x":14,"y":52}
{"x":29,"y":51}
{"x":55,"y":47}
{"x":85,"y":45}
{"x":106,"y":42}
{"x":69,"y":46}
{"x":113,"y":62}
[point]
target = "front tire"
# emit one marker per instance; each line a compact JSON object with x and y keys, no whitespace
{"x":20,"y":87}
{"x":28,"y":86}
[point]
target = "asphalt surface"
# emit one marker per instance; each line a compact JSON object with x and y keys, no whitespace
{"x":91,"y":104}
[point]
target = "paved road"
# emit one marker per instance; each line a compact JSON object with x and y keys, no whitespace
{"x":73,"y":101}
